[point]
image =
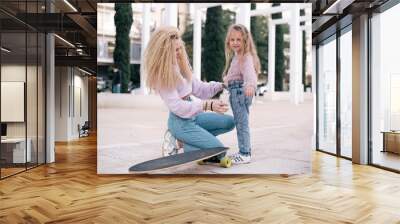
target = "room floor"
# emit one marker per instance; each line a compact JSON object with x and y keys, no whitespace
{"x":70,"y":191}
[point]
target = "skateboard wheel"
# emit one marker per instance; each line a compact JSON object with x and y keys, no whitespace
{"x":201,"y":162}
{"x":225,"y":162}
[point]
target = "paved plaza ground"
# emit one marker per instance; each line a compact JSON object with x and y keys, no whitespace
{"x":131,"y":130}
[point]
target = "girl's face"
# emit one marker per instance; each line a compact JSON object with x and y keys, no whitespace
{"x":236,"y":41}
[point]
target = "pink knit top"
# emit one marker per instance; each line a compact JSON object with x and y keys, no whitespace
{"x":187,"y":109}
{"x":242,"y":71}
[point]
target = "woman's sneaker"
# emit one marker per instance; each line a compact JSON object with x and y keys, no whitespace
{"x":169,"y":146}
{"x":240,"y":159}
{"x":179,"y":144}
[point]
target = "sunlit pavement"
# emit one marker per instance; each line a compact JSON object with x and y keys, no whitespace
{"x":131,"y":130}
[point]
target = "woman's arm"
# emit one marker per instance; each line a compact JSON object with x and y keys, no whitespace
{"x":204,"y":90}
{"x":181,"y":108}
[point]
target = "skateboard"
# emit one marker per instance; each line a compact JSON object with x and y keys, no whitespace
{"x":181,"y":159}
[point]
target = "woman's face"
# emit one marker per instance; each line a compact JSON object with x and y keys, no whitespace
{"x":236,"y":41}
{"x":178,"y":48}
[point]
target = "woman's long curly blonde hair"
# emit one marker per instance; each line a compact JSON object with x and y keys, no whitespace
{"x":160,"y":62}
{"x":248,"y":47}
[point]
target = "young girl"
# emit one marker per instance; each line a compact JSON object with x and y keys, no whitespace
{"x":168,"y":72}
{"x":240,"y":75}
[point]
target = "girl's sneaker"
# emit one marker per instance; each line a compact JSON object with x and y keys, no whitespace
{"x":240,"y":159}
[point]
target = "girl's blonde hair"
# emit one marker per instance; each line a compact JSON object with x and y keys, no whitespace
{"x":248,"y":47}
{"x":160,"y":63}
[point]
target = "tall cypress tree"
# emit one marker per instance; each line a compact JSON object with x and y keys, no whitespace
{"x":279,"y":58}
{"x":135,"y":75}
{"x":258,"y":29}
{"x":187,"y":37}
{"x":279,"y":55}
{"x":304,"y":81}
{"x":304,"y":60}
{"x":213,"y":57}
{"x":123,"y":22}
{"x":228,"y":18}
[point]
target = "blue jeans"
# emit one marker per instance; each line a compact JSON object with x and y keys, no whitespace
{"x":240,"y":104}
{"x":199,"y":131}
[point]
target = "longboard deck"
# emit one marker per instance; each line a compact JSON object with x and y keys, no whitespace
{"x":176,"y":160}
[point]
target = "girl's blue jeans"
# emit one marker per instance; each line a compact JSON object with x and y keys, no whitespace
{"x":240,"y":104}
{"x":200,"y":131}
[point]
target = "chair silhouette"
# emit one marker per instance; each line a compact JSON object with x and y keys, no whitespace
{"x":84,"y":130}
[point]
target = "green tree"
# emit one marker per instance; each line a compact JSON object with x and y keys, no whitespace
{"x":258,"y":27}
{"x":279,"y":55}
{"x":213,"y":57}
{"x":228,"y":17}
{"x":123,"y":22}
{"x":304,"y":60}
{"x":135,"y":75}
{"x":279,"y":58}
{"x":187,"y":37}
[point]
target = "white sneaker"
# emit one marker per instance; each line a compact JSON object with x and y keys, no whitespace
{"x":169,"y":146}
{"x":240,"y":159}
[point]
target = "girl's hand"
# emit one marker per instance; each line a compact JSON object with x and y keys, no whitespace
{"x":225,"y":82}
{"x":249,"y":91}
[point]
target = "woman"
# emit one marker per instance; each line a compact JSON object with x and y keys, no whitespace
{"x":169,"y":73}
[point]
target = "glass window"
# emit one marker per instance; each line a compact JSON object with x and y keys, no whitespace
{"x":327,"y":96}
{"x":41,"y":99}
{"x":102,"y":48}
{"x":22,"y":90}
{"x":346,"y":93}
{"x":14,"y":153}
{"x":385,"y":84}
{"x":135,"y":51}
{"x":31,"y":101}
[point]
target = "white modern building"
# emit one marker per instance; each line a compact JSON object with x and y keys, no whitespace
{"x":148,"y":16}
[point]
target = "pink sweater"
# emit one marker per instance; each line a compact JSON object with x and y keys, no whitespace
{"x":242,"y":71}
{"x":187,"y":109}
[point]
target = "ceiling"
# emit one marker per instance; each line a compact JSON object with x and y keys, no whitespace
{"x":328,"y":16}
{"x":74,"y":21}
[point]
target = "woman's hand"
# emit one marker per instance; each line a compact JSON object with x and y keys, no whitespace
{"x":219,"y":106}
{"x":249,"y":91}
{"x":215,"y":105}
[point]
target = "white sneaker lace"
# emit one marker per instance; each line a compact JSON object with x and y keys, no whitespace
{"x":237,"y":158}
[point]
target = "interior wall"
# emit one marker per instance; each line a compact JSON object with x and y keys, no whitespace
{"x":62,"y":113}
{"x":71,"y":100}
{"x":80,"y":118}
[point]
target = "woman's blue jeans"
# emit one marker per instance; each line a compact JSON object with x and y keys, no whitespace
{"x":200,"y":131}
{"x":240,"y":104}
